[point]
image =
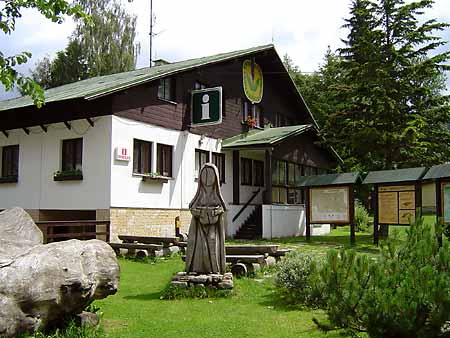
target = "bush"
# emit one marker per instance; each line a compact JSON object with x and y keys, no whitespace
{"x":294,"y":278}
{"x":405,"y":292}
{"x":173,"y":293}
{"x":362,"y":218}
{"x":71,"y":331}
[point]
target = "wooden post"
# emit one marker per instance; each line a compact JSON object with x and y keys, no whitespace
{"x":439,"y":209}
{"x":236,"y":177}
{"x":375,"y":214}
{"x":351,"y":197}
{"x":308,"y":206}
{"x":418,"y":193}
{"x":268,"y":176}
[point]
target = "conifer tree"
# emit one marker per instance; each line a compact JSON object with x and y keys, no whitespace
{"x":396,"y":113}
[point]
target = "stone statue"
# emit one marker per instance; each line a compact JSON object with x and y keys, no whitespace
{"x":206,"y":244}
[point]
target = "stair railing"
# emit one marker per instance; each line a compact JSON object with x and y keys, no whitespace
{"x":247,"y":204}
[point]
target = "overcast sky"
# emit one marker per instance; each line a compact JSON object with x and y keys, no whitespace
{"x":190,"y":29}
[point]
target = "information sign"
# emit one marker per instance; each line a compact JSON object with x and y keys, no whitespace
{"x":207,"y":106}
{"x":396,"y":204}
{"x":445,"y":201}
{"x":329,"y":205}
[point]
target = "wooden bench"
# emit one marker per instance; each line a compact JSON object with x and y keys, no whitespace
{"x":132,"y":247}
{"x":165,"y":241}
{"x":251,"y":249}
{"x":259,"y":259}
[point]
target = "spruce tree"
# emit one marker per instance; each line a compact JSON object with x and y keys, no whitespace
{"x":396,"y":114}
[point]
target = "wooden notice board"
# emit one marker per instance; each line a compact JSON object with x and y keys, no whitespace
{"x":445,"y":202}
{"x":329,"y":205}
{"x":396,"y":204}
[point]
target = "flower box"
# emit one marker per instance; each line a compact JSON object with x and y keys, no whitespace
{"x":71,"y":175}
{"x":9,"y":179}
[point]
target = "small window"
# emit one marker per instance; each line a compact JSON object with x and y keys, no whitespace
{"x":199,"y":85}
{"x":72,"y":154}
{"x":259,"y":173}
{"x":164,"y":160}
{"x":201,"y":157}
{"x":142,"y":157}
{"x":291,"y":174}
{"x":295,"y":196}
{"x":10,"y":161}
{"x":219,"y":161}
{"x":253,"y":111}
{"x":246,"y":176}
{"x":279,"y":173}
{"x":279,"y":195}
{"x":166,"y":89}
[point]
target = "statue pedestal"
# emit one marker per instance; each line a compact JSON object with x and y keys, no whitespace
{"x":184,"y":280}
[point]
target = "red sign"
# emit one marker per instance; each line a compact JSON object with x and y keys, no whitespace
{"x":122,"y":154}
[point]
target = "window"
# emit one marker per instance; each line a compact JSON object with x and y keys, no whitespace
{"x":259,"y":173}
{"x":10,"y":161}
{"x":199,"y":85}
{"x":164,"y":160}
{"x":252,"y":110}
{"x":295,"y":196}
{"x":201,"y":157}
{"x":246,"y":176}
{"x":142,"y":157}
{"x":72,"y":154}
{"x":219,"y":161}
{"x":279,"y":120}
{"x":166,"y":89}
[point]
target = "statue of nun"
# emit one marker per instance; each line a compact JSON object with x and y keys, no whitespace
{"x":206,"y":244}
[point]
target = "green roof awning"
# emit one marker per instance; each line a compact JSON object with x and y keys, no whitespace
{"x":395,"y":176}
{"x":103,"y":85}
{"x":264,"y":137}
{"x":438,"y":171}
{"x":330,"y":179}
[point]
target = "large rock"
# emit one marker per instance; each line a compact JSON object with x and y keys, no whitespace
{"x":41,"y":284}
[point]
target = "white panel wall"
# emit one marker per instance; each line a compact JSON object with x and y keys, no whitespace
{"x":288,"y":220}
{"x":40,"y":158}
{"x":128,"y":190}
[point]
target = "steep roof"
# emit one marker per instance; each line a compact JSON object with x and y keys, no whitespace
{"x":103,"y":85}
{"x":264,"y":137}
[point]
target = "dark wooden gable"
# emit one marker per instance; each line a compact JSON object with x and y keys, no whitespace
{"x":141,"y":103}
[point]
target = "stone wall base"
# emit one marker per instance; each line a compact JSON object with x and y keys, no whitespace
{"x":147,"y":222}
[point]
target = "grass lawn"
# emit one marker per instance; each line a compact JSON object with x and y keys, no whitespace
{"x":253,"y":311}
{"x":138,"y":311}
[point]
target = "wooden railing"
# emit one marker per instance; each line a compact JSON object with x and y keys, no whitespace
{"x":64,"y":230}
{"x":246,"y":204}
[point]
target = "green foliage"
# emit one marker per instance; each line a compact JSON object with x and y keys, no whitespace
{"x":71,"y":331}
{"x":362,"y":217}
{"x":53,"y":10}
{"x":379,"y":100}
{"x":200,"y":292}
{"x":403,"y":293}
{"x":101,"y":46}
{"x":294,"y":278}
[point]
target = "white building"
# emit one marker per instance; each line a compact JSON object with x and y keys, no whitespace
{"x":125,"y":148}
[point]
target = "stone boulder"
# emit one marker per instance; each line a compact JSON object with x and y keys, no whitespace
{"x":41,"y":284}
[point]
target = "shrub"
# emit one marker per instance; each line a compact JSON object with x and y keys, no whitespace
{"x":405,"y":292}
{"x":362,"y":218}
{"x":295,"y":278}
{"x":173,"y":293}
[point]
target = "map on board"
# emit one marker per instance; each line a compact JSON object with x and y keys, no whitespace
{"x":446,"y":202}
{"x":329,"y":205}
{"x":396,"y":204}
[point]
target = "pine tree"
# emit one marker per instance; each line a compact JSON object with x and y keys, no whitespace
{"x":396,"y":113}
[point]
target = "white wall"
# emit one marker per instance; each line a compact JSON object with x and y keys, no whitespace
{"x":129,"y":191}
{"x":233,"y":227}
{"x":288,"y":220}
{"x":40,"y":158}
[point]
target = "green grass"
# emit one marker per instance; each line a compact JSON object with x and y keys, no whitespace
{"x":253,"y":311}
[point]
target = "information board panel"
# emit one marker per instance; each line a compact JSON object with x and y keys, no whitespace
{"x":329,"y":205}
{"x":396,"y":204}
{"x":445,"y":201}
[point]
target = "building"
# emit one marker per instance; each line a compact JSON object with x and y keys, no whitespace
{"x":124,"y":147}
